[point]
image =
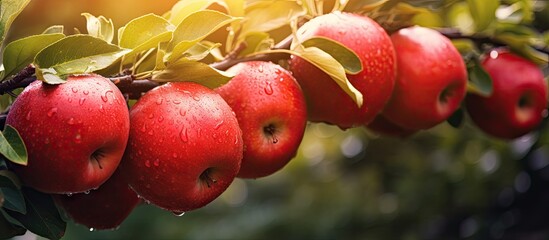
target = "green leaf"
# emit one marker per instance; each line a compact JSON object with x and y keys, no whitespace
{"x":480,"y":81}
{"x":9,"y":229}
{"x":12,"y":146}
{"x":20,"y":53}
{"x":144,"y":33}
{"x":483,"y":12}
{"x":99,"y":27}
{"x":74,"y":55}
{"x":194,"y":29}
{"x":42,"y":217}
{"x":257,"y":42}
{"x":10,"y":188}
{"x":345,"y":56}
{"x":365,"y":5}
{"x":9,"y":10}
{"x":264,"y":16}
{"x":140,"y":31}
{"x":199,"y":51}
{"x":183,"y":9}
{"x":327,"y":64}
{"x":54,"y":29}
{"x":192,"y":71}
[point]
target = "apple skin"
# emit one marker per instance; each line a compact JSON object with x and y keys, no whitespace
{"x":519,"y":97}
{"x":431,"y":80}
{"x":75,"y":133}
{"x":326,"y":101}
{"x":104,"y":208}
{"x":185,"y":146}
{"x":271,"y":112}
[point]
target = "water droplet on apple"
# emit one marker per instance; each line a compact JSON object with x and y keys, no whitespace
{"x":178,"y":214}
{"x":148,"y":163}
{"x":151,"y":116}
{"x":184,"y":135}
{"x":196,"y":98}
{"x":105,"y":96}
{"x":260,"y":69}
{"x":281,"y":79}
{"x":156,"y":162}
{"x":52,"y":112}
{"x":101,"y":108}
{"x":69,"y":100}
{"x":277,"y":71}
{"x":159,"y":101}
{"x":78,"y":138}
{"x":160,"y":119}
{"x":28,"y":117}
{"x":218,"y":125}
{"x":92,"y":229}
{"x":69,"y":194}
{"x":174,"y":155}
{"x":268,"y":88}
{"x":144,"y":128}
{"x":86,"y":92}
{"x":182,"y":112}
{"x":74,"y":90}
{"x":87,"y":192}
{"x":71,"y":121}
{"x":81,"y":101}
{"x":176,"y":101}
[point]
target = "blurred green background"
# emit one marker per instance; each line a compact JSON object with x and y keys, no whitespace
{"x":444,"y":183}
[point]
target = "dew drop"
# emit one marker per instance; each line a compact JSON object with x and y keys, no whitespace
{"x":218,"y":125}
{"x":151,"y":116}
{"x":78,"y":138}
{"x":52,"y":112}
{"x":28,"y":117}
{"x":268,"y":89}
{"x":159,"y":101}
{"x":182,"y":112}
{"x":81,"y":101}
{"x":144,"y":128}
{"x":71,"y":121}
{"x":156,"y":162}
{"x":160,"y":119}
{"x":101,"y":109}
{"x":178,"y":214}
{"x":92,"y":229}
{"x":151,"y":132}
{"x":260,"y":69}
{"x":277,"y":71}
{"x":148,"y":163}
{"x":69,"y":100}
{"x":281,"y":79}
{"x":74,"y":90}
{"x":176,"y":101}
{"x":196,"y":98}
{"x":86,"y":92}
{"x":69,"y":194}
{"x":87,"y":192}
{"x":105,"y":96}
{"x":184,"y":135}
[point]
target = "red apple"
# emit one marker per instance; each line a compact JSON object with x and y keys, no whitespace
{"x":75,"y":133}
{"x":104,"y":208}
{"x":326,"y":101}
{"x":185,"y":146}
{"x":271,"y":112}
{"x":519,"y":96}
{"x":431,"y":80}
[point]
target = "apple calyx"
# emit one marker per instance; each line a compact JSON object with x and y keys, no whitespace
{"x":207,"y":177}
{"x":270,"y":131}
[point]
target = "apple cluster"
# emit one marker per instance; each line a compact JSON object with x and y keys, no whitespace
{"x":182,"y":144}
